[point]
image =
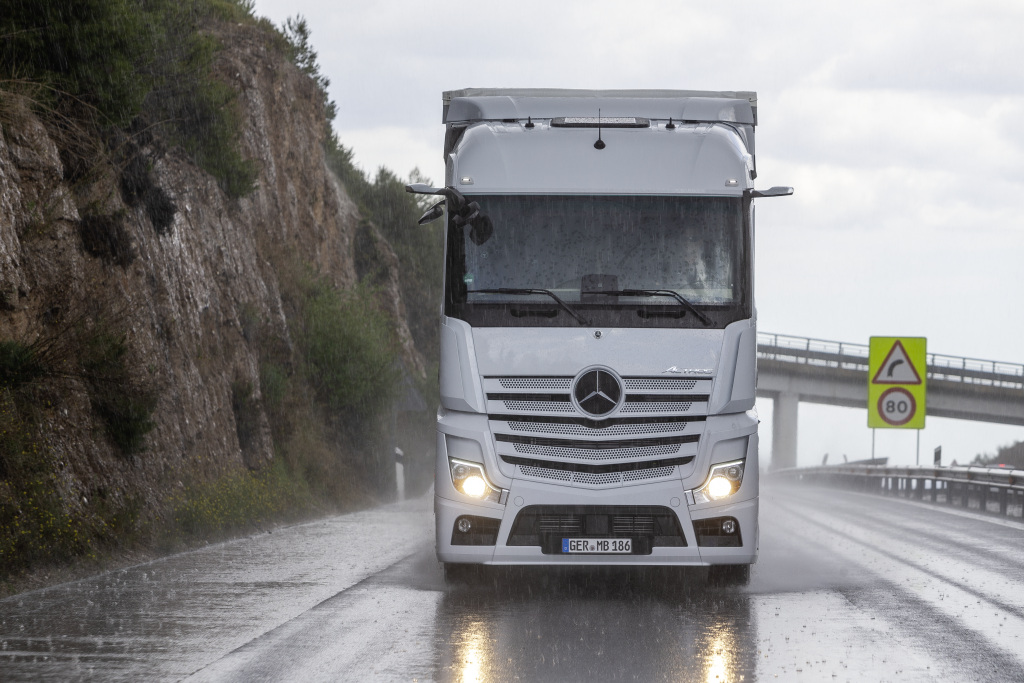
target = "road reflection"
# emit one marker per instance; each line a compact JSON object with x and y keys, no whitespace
{"x":471,"y":650}
{"x":594,"y":624}
{"x":718,"y":654}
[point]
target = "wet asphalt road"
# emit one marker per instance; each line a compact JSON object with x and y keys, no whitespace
{"x":848,"y":587}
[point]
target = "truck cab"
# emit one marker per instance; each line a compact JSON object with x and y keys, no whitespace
{"x":598,"y":329}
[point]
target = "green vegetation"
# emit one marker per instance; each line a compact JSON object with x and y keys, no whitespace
{"x":138,"y":64}
{"x":120,"y":399}
{"x":107,"y":237}
{"x":19,"y":364}
{"x":247,"y":413}
{"x":39,"y":521}
{"x":34,"y":525}
{"x":385,"y":203}
{"x":93,"y":50}
{"x":327,"y":398}
{"x":240,"y":500}
{"x":301,"y":52}
{"x":350,"y":349}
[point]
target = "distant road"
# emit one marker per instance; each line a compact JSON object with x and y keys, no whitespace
{"x":848,"y":587}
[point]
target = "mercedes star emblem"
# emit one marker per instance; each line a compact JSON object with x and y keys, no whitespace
{"x":597,"y":392}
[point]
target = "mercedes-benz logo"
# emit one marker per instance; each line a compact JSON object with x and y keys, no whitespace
{"x":597,"y":392}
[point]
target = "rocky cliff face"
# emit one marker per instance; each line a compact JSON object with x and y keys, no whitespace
{"x":195,"y":295}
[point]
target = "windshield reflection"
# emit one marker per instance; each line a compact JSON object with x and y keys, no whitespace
{"x":690,"y":245}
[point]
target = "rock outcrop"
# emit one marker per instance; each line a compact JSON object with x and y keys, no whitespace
{"x":188,"y":294}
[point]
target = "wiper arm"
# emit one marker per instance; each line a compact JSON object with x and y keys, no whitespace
{"x":517,"y":291}
{"x":659,"y":292}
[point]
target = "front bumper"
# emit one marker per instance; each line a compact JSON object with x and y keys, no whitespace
{"x":669,"y":495}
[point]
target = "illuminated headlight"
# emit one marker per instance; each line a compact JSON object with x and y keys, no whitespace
{"x":469,"y":478}
{"x":723,"y":480}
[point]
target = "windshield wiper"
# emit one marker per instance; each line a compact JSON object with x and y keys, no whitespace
{"x":658,"y":292}
{"x":517,"y":291}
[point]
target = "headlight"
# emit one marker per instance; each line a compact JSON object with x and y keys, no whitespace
{"x":723,"y":480}
{"x":469,"y":478}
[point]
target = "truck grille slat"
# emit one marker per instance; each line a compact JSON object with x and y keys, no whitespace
{"x":589,"y":454}
{"x":580,"y":430}
{"x":658,"y":384}
{"x":643,"y":438}
{"x":655,"y":407}
{"x":535,"y":382}
{"x":540,"y":406}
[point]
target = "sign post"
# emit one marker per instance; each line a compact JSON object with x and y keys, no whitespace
{"x":897,"y":373}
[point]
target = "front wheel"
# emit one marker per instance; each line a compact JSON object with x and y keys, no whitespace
{"x":729,"y":575}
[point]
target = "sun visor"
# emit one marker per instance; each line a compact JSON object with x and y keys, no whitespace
{"x":653,"y":105}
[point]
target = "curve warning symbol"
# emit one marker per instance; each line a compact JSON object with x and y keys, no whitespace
{"x":897,"y":368}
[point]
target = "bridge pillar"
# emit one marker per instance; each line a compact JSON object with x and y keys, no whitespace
{"x":784,"y":416}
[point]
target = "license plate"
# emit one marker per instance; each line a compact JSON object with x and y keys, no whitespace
{"x":597,"y":545}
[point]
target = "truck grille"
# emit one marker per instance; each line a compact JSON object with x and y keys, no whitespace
{"x":537,"y":428}
{"x":545,"y":526}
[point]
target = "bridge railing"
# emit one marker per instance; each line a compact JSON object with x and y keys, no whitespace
{"x":848,"y":356}
{"x":990,"y":490}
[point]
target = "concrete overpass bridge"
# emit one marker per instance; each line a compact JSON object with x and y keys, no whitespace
{"x":794,"y":369}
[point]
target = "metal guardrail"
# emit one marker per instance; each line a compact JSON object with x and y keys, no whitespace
{"x":991,"y":490}
{"x":847,"y":356}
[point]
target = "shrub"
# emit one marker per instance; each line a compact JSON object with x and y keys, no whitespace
{"x":91,"y":49}
{"x":247,"y":413}
{"x":120,"y":400}
{"x":350,"y":349}
{"x":297,"y":34}
{"x":110,"y":61}
{"x":273,"y":384}
{"x":160,"y":209}
{"x":105,"y":236}
{"x":420,"y":249}
{"x":203,"y":116}
{"x":19,"y":364}
{"x":34,"y":525}
{"x":238,"y":500}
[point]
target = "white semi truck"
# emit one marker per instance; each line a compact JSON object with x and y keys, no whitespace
{"x":598,"y":337}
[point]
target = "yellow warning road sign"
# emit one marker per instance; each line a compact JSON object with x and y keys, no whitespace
{"x":897,"y":374}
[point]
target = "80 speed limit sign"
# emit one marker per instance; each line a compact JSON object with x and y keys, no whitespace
{"x":897,"y":406}
{"x":897,"y":382}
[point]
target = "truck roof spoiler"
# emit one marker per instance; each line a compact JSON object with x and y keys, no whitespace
{"x":495,"y":104}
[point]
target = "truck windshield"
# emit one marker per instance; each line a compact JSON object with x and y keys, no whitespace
{"x":595,"y":252}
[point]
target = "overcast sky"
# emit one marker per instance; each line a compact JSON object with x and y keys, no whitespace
{"x":899,"y":125}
